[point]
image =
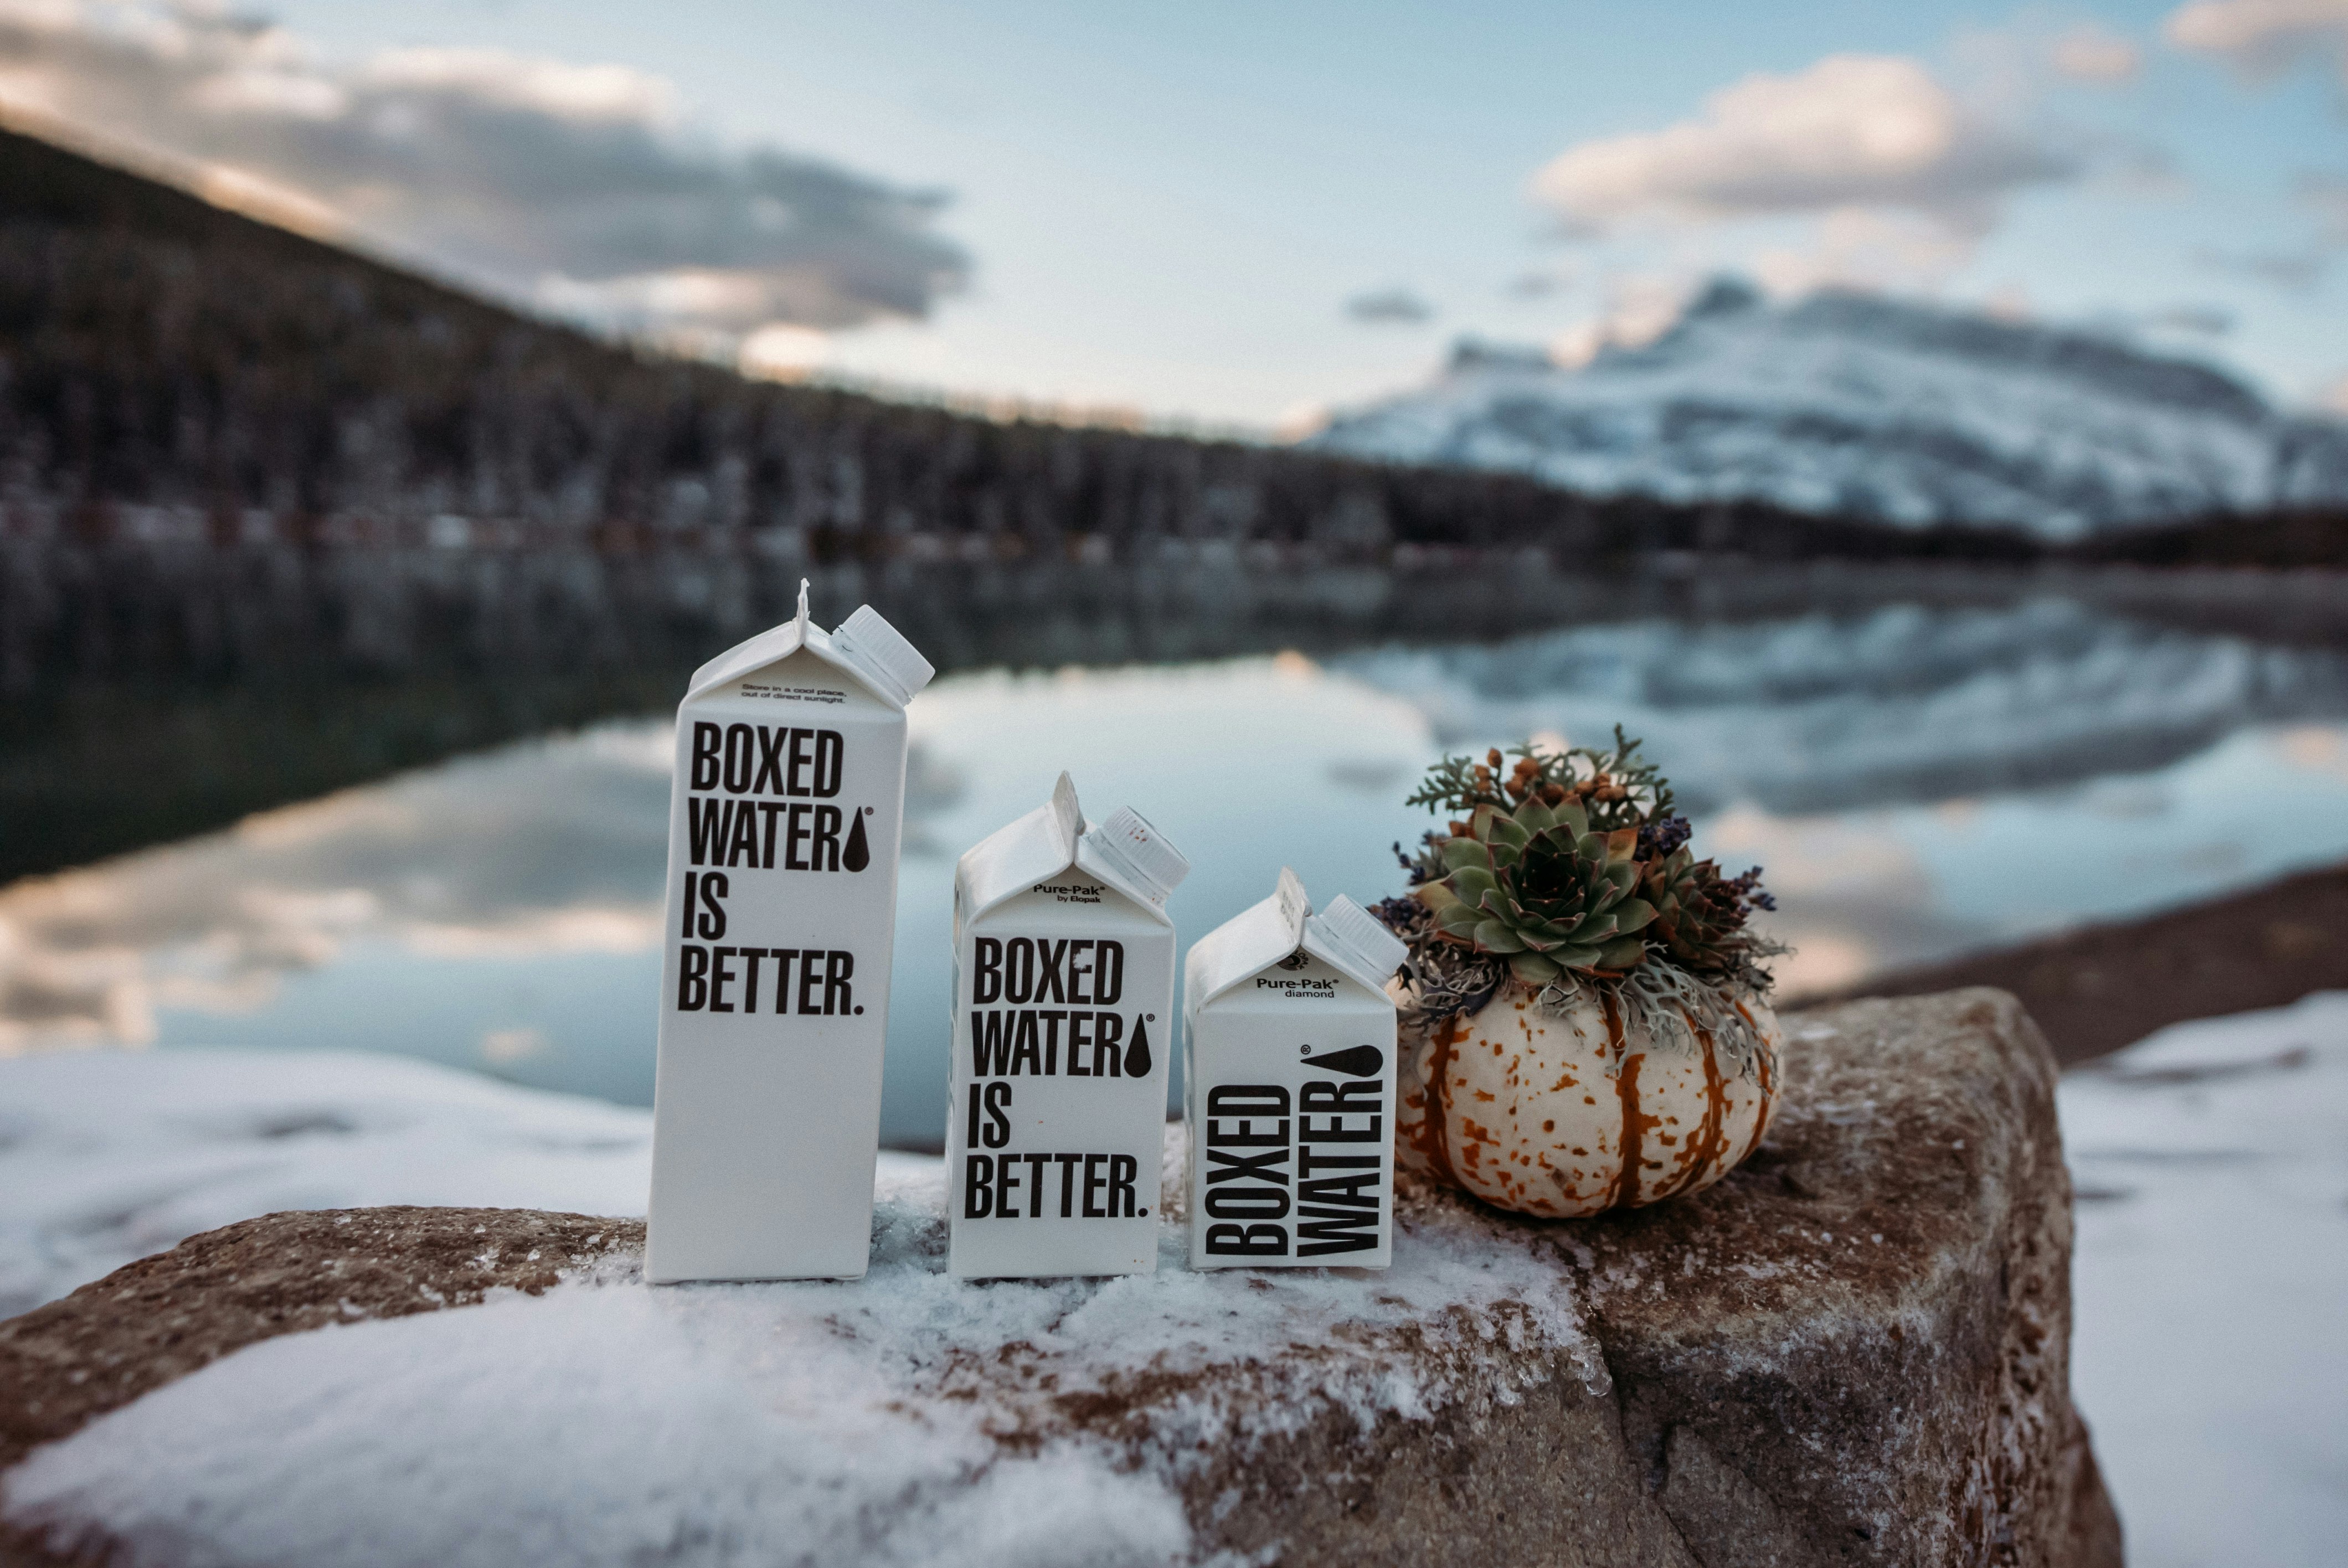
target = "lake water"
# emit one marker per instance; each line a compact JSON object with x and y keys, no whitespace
{"x":1915,"y":781}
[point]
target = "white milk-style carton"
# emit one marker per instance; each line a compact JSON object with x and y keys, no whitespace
{"x":1288,"y":1058}
{"x":784,"y":824}
{"x":1063,"y":1017}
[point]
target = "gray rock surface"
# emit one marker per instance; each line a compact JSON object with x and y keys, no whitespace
{"x":1855,"y":1350}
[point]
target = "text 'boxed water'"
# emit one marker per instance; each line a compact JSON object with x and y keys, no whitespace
{"x":1289,"y":1061}
{"x":784,"y":825}
{"x":1064,"y":1004}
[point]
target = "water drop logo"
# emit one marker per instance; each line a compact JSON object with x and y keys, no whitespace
{"x":858,"y":855}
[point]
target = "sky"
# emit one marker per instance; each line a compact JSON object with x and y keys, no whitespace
{"x":1240,"y":216}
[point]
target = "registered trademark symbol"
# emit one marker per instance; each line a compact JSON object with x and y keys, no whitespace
{"x":1149,"y":1018}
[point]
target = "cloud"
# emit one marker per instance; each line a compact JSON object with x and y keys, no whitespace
{"x":1853,"y":132}
{"x":2293,"y":269}
{"x":1867,"y":249}
{"x":2091,"y":54}
{"x":2201,"y":321}
{"x":2261,"y":37}
{"x":575,"y":187}
{"x":2327,"y":197}
{"x":2292,"y":272}
{"x":1397,"y":306}
{"x":1543,"y":282}
{"x":1639,"y":308}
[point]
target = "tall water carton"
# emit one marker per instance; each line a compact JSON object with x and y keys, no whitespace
{"x":1288,"y":1058}
{"x":784,"y":819}
{"x":1063,"y":1017}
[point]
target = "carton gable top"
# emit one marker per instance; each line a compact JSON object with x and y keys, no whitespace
{"x":865,"y":648}
{"x":1344,"y":936}
{"x":1125,"y":854}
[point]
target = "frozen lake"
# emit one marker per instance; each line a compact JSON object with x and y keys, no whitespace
{"x":1915,"y":781}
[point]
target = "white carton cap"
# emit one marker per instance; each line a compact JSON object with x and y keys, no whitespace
{"x":1140,"y":853}
{"x":880,"y":650}
{"x":1356,"y":941}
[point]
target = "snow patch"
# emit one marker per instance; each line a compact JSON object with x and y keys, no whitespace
{"x":2211,"y":1164}
{"x":108,"y":1155}
{"x":906,"y":1418}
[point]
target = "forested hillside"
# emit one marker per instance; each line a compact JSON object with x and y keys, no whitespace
{"x":167,"y":361}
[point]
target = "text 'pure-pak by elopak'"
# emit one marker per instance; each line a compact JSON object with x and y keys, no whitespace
{"x":785,"y":822}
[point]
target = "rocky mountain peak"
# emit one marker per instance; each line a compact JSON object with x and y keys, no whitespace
{"x":1854,"y":403}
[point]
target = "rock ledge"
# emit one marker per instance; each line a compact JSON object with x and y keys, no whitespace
{"x":1855,"y":1350}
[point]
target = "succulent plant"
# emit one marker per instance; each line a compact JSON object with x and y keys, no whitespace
{"x":1538,"y":887}
{"x":1700,"y":914}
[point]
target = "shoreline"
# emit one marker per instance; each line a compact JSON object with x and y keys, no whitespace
{"x":2097,"y":989}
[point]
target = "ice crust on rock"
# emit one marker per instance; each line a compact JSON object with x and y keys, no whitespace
{"x":906,"y":1418}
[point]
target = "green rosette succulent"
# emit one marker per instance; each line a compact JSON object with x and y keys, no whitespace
{"x":1700,"y":914}
{"x":1538,"y":888}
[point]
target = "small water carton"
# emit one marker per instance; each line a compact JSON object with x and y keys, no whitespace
{"x":784,"y":818}
{"x":1063,"y":1013}
{"x":1288,"y":1058}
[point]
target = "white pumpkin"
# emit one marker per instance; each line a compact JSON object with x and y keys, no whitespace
{"x":1566,"y":1113}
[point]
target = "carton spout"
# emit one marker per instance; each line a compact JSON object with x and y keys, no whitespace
{"x":1139,"y":853}
{"x":1353,"y":939}
{"x":1288,"y":898}
{"x":880,"y":652}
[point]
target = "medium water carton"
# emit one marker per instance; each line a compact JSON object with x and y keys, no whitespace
{"x":1288,"y":1058}
{"x":1063,"y":1007}
{"x":784,"y":825}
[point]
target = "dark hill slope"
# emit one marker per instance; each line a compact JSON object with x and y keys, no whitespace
{"x":161,"y":353}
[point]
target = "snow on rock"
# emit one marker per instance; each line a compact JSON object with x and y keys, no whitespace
{"x":1857,"y":1342}
{"x":905,"y":1418}
{"x":2211,"y":1170}
{"x":1849,"y":403}
{"x":108,"y":1155}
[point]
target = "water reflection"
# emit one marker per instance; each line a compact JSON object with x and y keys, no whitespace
{"x":1916,"y":782}
{"x":1824,"y":713}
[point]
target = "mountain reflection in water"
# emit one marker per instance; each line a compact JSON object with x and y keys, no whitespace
{"x":1915,"y":781}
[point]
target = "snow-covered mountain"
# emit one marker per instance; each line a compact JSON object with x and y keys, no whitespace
{"x":1858,"y":405}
